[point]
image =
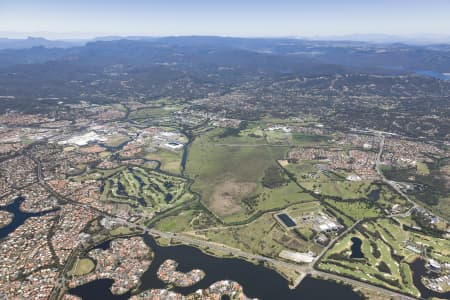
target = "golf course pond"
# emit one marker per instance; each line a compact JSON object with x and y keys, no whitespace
{"x":356,"y":248}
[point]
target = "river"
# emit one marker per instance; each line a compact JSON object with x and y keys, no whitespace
{"x":256,"y":280}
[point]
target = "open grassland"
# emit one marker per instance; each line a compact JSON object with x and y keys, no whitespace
{"x":170,"y":160}
{"x":316,"y":176}
{"x":422,"y":168}
{"x":264,"y":236}
{"x":300,"y":209}
{"x":295,"y":138}
{"x":228,"y":172}
{"x":344,"y":189}
{"x":278,"y":137}
{"x":304,"y":140}
{"x":155,"y":112}
{"x":98,"y":174}
{"x":82,"y":266}
{"x":353,"y":210}
{"x":187,"y":219}
{"x":384,"y":260}
{"x":282,"y":196}
{"x":143,"y":187}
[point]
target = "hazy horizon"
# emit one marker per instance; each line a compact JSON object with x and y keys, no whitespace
{"x":90,"y":36}
{"x":286,"y":18}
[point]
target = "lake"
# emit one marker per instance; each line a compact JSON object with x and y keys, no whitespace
{"x":433,"y":74}
{"x":256,"y":280}
{"x":19,"y":216}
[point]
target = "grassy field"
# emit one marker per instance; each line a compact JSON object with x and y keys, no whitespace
{"x":123,"y":230}
{"x":264,"y":236}
{"x":303,"y":139}
{"x":422,"y":168}
{"x":384,"y":261}
{"x":278,"y":137}
{"x":354,"y":210}
{"x":229,"y":173}
{"x":178,"y":223}
{"x":82,"y":266}
{"x":170,"y":160}
{"x":298,"y":210}
{"x":143,"y":187}
{"x":154,"y":112}
{"x":189,"y":219}
{"x":97,"y":174}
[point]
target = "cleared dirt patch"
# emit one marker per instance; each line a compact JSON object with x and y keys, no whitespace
{"x":227,"y":196}
{"x":283,"y":162}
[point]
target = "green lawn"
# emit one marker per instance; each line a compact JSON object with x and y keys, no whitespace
{"x":82,"y":266}
{"x":355,"y":210}
{"x":186,"y":220}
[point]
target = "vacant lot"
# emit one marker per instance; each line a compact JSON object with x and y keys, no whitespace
{"x":238,"y":176}
{"x":226,"y":196}
{"x":228,"y":170}
{"x":82,"y":266}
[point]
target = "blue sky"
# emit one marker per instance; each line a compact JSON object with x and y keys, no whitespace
{"x":88,"y":18}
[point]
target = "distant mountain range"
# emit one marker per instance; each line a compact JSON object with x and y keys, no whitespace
{"x":283,"y":55}
{"x":30,"y":42}
{"x":425,"y":39}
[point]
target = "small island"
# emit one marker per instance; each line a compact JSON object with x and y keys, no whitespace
{"x":224,"y":289}
{"x":5,"y":218}
{"x":168,"y":273}
{"x":124,"y":262}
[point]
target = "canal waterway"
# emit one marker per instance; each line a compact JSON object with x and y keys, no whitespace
{"x":419,"y":270}
{"x":19,"y":216}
